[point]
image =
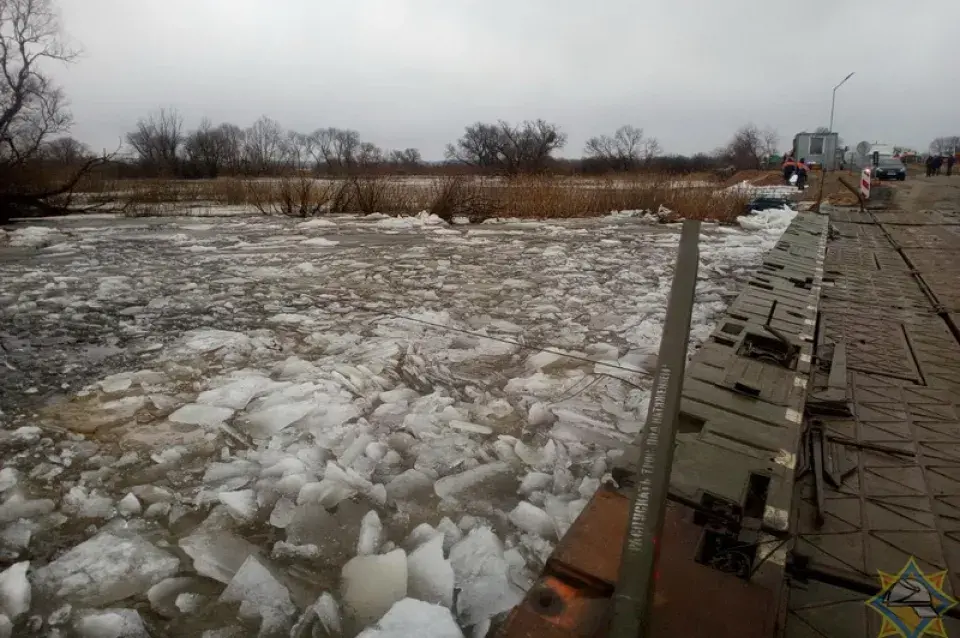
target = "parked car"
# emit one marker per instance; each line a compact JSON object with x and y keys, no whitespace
{"x":890,"y":168}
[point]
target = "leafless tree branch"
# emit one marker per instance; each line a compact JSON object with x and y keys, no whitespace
{"x":32,"y":110}
{"x":157,"y":141}
{"x":750,"y":146}
{"x":506,"y":148}
{"x":626,"y":150}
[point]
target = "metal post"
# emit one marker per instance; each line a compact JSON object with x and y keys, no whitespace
{"x":633,"y":596}
{"x":833,"y":160}
{"x":833,"y":104}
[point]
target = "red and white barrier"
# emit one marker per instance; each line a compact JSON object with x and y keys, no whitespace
{"x":865,"y":183}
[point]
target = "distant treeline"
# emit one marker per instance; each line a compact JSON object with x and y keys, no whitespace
{"x":160,"y":146}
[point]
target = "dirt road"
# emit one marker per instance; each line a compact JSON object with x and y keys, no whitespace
{"x":925,"y":193}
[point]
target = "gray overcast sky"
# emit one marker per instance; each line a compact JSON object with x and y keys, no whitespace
{"x":415,"y":72}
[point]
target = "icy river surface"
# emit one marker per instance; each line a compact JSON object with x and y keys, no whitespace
{"x":259,"y":427}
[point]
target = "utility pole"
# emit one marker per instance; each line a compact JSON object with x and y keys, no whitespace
{"x":823,"y":172}
{"x":833,"y":102}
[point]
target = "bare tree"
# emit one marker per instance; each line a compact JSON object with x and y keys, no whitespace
{"x":296,"y":193}
{"x":947,"y":145}
{"x":209,"y":150}
{"x":32,"y":109}
{"x":769,"y":140}
{"x":66,"y":151}
{"x":627,"y":149}
{"x":234,"y":141}
{"x":480,"y":147}
{"x":335,"y":150}
{"x":264,"y":146}
{"x":321,"y":148}
{"x":298,"y":151}
{"x":750,"y":146}
{"x":158,"y":139}
{"x":408,"y":158}
{"x":369,"y":155}
{"x":344,"y":145}
{"x":526,"y":147}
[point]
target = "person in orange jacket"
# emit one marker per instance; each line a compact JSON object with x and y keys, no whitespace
{"x":789,"y":168}
{"x":802,"y":170}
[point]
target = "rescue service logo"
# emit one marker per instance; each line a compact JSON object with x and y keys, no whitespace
{"x":912,"y":603}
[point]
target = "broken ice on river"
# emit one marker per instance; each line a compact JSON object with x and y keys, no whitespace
{"x":254,"y":427}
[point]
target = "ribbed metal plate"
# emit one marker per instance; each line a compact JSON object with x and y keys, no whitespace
{"x":902,"y":498}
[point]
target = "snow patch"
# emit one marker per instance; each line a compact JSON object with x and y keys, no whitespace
{"x":770,"y":222}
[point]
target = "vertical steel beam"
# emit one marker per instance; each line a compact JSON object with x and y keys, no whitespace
{"x":633,"y":596}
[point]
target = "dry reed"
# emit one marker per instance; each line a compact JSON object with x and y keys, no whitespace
{"x":476,"y":198}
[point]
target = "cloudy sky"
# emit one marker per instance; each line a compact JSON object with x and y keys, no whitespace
{"x":415,"y":72}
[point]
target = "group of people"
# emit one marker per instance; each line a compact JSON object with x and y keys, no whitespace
{"x":934,"y":164}
{"x":793,"y":167}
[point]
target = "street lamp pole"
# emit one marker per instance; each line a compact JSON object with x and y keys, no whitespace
{"x":833,"y":102}
{"x":833,"y":162}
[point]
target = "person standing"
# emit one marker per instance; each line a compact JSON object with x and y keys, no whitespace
{"x":937,"y":163}
{"x":929,"y":164}
{"x":802,"y":170}
{"x":789,"y":168}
